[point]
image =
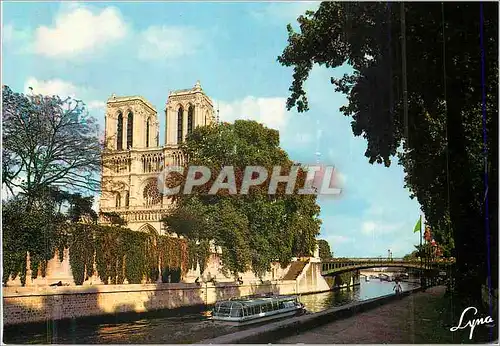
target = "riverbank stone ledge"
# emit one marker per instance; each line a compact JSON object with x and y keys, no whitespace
{"x":277,"y":330}
{"x":11,"y":292}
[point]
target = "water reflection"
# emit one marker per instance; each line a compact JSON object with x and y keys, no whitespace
{"x":170,"y":329}
{"x":365,"y":290}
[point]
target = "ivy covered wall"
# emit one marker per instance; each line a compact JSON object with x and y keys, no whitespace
{"x":116,"y":253}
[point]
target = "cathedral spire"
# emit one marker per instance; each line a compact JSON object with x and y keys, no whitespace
{"x":197,"y":86}
{"x":217,"y":119}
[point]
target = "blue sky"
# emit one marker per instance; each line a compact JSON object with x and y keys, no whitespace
{"x":92,"y":50}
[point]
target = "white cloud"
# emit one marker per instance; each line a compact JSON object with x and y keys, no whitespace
{"x":284,"y":11}
{"x":372,"y":227}
{"x":51,"y":87}
{"x":368,"y":227}
{"x":62,"y":89}
{"x":160,"y":42}
{"x":12,"y":34}
{"x":96,"y":105}
{"x":269,"y":111}
{"x":65,"y":89}
{"x":79,"y":31}
{"x":339,"y":239}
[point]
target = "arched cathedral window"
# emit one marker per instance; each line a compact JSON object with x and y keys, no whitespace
{"x":190,"y":119}
{"x":119,"y":132}
{"x":180,"y":115}
{"x":130,"y":129}
{"x":127,"y":198}
{"x":151,"y":194}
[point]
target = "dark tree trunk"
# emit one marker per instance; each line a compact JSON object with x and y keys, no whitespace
{"x":467,"y":221}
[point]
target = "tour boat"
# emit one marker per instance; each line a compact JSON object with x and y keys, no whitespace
{"x":249,"y":310}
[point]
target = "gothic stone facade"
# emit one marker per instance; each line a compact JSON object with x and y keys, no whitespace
{"x":133,"y":157}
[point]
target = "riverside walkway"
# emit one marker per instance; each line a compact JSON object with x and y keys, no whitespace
{"x":423,"y":317}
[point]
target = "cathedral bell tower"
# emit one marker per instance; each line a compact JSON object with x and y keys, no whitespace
{"x":185,"y":110}
{"x":131,"y":123}
{"x":131,"y":132}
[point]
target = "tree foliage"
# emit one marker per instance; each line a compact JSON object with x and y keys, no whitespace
{"x":32,"y":229}
{"x":324,"y":249}
{"x":48,"y":142}
{"x":413,"y":256}
{"x":252,"y":230}
{"x":443,"y":157}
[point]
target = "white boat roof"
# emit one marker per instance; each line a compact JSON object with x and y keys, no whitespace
{"x":255,"y":301}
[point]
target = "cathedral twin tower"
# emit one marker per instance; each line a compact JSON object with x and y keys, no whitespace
{"x":133,"y":156}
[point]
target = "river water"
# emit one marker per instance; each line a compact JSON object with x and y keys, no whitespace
{"x":168,"y":328}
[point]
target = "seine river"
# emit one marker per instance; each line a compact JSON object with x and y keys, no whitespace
{"x":169,"y":328}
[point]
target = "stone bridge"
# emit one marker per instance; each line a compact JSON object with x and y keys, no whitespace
{"x":341,"y":265}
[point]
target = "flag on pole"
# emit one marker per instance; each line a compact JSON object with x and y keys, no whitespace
{"x":418,"y":226}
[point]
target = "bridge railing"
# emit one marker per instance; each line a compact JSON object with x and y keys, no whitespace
{"x":363,"y":259}
{"x":382,"y":259}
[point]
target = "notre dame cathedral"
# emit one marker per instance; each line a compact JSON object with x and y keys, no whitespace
{"x":133,"y":157}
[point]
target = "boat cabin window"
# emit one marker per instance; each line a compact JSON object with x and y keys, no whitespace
{"x":223,"y":309}
{"x":235,"y":311}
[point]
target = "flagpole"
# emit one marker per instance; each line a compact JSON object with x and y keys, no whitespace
{"x":420,"y":231}
{"x":421,"y":252}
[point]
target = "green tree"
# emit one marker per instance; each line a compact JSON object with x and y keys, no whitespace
{"x":253,"y":230}
{"x":443,"y":152}
{"x":48,"y":142}
{"x":29,"y":227}
{"x":324,"y":249}
{"x":412,"y":256}
{"x":81,"y":207}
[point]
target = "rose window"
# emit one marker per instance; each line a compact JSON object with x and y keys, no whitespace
{"x":151,"y":194}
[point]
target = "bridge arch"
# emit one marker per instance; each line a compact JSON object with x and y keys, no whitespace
{"x":335,"y":268}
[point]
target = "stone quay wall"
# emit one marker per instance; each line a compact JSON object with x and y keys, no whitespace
{"x":38,"y":304}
